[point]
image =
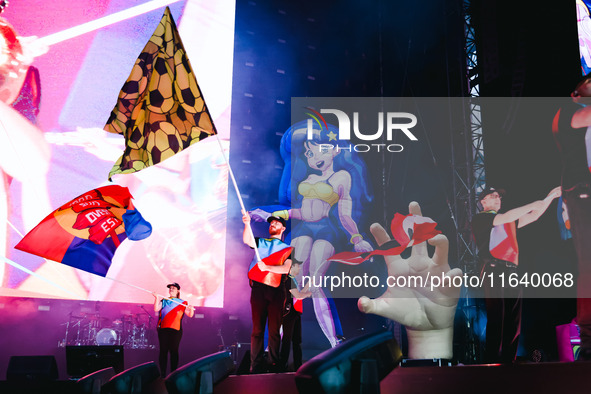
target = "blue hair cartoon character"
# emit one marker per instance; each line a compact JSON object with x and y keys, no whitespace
{"x":326,"y":206}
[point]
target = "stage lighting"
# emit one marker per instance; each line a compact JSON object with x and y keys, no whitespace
{"x":357,"y":365}
{"x":201,"y":375}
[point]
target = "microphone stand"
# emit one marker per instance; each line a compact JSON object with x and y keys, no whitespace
{"x":150,"y":317}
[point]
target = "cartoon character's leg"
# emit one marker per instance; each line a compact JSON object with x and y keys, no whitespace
{"x":335,"y":317}
{"x":321,"y":250}
{"x":301,"y":252}
{"x":323,"y":316}
{"x":302,"y":247}
{"x":314,"y":258}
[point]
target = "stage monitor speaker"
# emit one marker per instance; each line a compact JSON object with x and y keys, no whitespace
{"x":84,"y":360}
{"x":201,"y":375}
{"x":138,"y":379}
{"x":32,"y":368}
{"x":357,"y":365}
{"x":242,"y":358}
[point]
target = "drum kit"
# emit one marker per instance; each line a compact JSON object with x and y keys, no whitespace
{"x":131,"y":331}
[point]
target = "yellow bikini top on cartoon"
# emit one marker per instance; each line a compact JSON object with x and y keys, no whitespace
{"x":319,"y":190}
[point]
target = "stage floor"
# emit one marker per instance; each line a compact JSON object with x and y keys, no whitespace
{"x":475,"y":379}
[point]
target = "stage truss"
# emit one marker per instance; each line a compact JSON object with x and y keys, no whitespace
{"x":468,"y":180}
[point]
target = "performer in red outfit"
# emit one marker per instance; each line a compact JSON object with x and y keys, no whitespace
{"x":169,"y":326}
{"x":266,"y":301}
{"x":571,"y":133}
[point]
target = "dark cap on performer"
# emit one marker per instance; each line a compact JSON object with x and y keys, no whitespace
{"x":280,"y":220}
{"x":490,"y":190}
{"x":174,"y":285}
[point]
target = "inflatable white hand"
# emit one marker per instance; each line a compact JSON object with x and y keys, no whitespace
{"x":425,"y":309}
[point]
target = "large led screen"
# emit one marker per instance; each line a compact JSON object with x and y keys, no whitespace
{"x":584,"y":28}
{"x":69,"y":60}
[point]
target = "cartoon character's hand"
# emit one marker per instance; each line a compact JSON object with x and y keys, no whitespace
{"x":362,"y":246}
{"x":259,"y":215}
{"x":426,"y":309}
{"x":554,"y":193}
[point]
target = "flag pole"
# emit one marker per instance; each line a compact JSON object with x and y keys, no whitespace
{"x":141,"y":288}
{"x":256,"y":250}
{"x":76,"y":296}
{"x":104,"y":21}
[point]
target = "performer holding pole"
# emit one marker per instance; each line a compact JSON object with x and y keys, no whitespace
{"x":171,"y":311}
{"x":267,"y":297}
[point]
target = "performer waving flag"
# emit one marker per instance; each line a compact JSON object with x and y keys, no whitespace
{"x":267,"y":297}
{"x":170,"y":315}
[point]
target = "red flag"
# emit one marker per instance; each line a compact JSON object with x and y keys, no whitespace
{"x":407,"y":230}
{"x":411,"y":230}
{"x":270,"y":278}
{"x":85,"y":232}
{"x":503,"y":243}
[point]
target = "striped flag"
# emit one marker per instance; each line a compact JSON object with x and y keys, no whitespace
{"x":503,"y":243}
{"x":266,"y":277}
{"x":407,"y":230}
{"x":85,"y":232}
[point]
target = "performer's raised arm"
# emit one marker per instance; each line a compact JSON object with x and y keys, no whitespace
{"x":247,"y":236}
{"x":528,"y":213}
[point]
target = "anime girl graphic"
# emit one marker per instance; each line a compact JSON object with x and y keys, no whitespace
{"x":329,"y":195}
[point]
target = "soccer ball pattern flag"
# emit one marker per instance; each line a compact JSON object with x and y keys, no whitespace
{"x":160,"y":109}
